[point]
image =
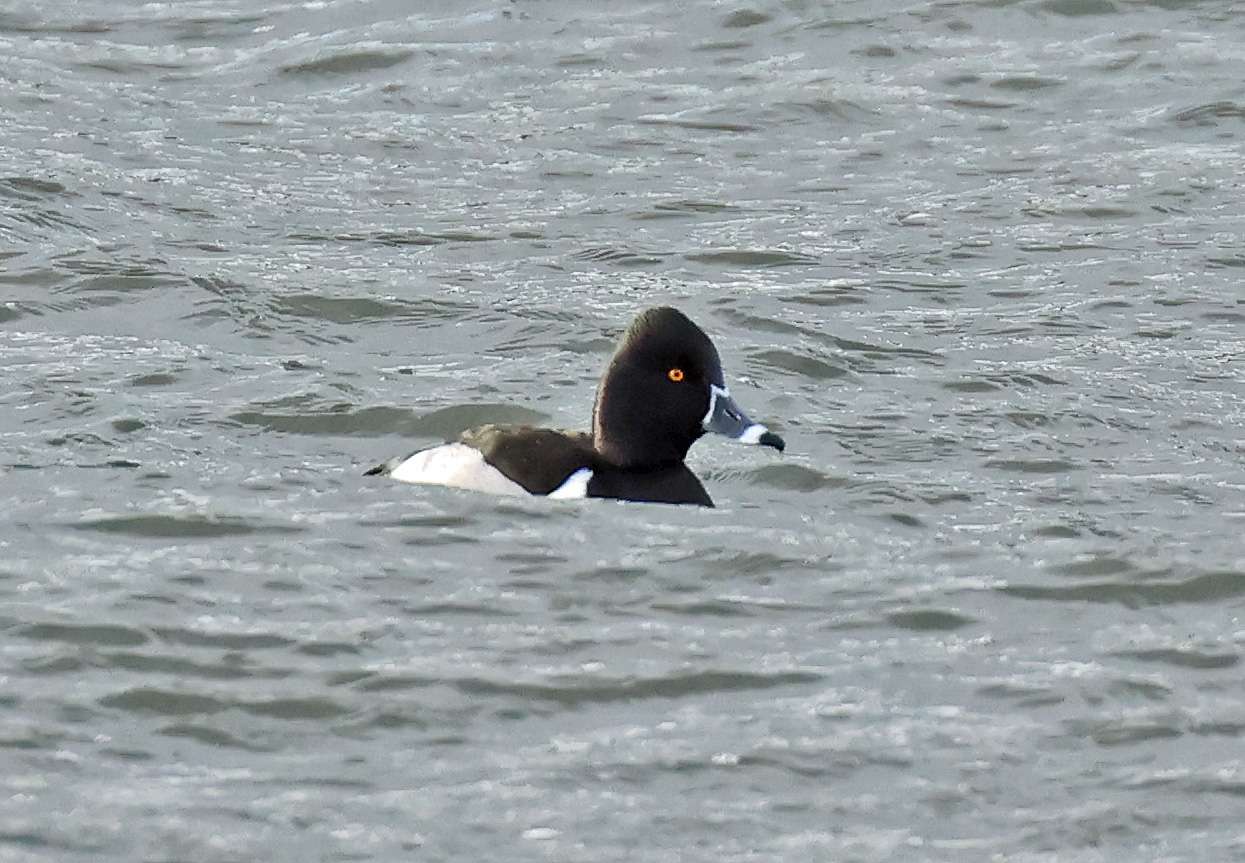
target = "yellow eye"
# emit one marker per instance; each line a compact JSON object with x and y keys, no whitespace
{"x":675,"y":375}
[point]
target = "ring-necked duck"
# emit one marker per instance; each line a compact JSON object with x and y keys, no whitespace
{"x":661,"y":391}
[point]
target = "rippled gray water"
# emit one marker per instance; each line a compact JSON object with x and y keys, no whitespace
{"x":980,"y":263}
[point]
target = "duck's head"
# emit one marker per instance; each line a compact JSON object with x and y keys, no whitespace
{"x":662,"y":390}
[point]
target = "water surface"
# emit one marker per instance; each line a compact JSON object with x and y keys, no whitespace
{"x":980,"y":264}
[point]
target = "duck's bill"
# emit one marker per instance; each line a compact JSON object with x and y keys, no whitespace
{"x":726,"y":418}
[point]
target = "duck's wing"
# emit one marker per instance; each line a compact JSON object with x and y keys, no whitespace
{"x":540,"y":460}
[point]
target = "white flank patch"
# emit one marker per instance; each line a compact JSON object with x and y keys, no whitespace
{"x":575,"y":486}
{"x":752,"y":434}
{"x":456,"y":465}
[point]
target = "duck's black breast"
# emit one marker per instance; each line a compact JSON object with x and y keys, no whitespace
{"x":538,"y":459}
{"x":672,"y":484}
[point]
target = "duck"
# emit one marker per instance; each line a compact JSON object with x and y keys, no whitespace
{"x":661,"y":391}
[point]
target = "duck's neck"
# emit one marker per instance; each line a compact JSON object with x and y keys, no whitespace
{"x":628,"y":436}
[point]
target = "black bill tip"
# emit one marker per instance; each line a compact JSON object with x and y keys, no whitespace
{"x":771,"y":439}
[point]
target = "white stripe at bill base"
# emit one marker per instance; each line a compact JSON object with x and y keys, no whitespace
{"x":714,"y":392}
